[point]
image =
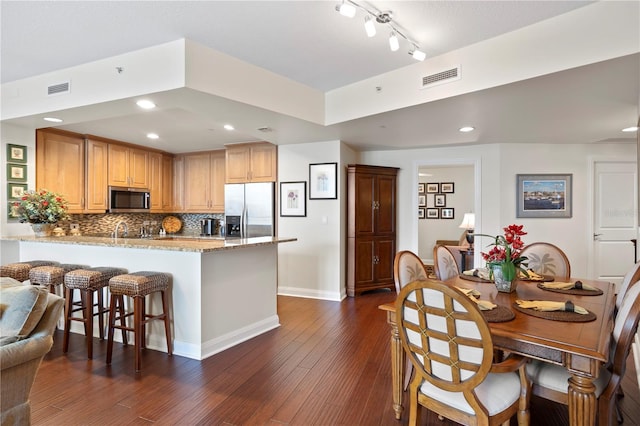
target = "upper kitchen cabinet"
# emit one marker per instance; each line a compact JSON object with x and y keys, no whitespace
{"x":254,"y":162}
{"x":204,"y":174}
{"x":167,"y":183}
{"x":161,"y":182}
{"x":128,"y":166}
{"x":68,"y":164}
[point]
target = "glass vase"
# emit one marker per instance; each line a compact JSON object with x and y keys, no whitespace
{"x":503,"y":285}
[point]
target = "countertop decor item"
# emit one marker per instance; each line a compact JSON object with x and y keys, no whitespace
{"x":504,"y":259}
{"x":171,"y":224}
{"x":41,"y":207}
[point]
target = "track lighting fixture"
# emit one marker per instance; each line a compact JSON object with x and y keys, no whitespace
{"x":349,"y":8}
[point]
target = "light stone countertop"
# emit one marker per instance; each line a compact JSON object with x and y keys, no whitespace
{"x":173,"y":243}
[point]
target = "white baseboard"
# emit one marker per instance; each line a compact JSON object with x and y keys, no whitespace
{"x":311,"y":294}
{"x":228,"y":340}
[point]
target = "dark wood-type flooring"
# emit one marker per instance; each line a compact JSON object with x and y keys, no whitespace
{"x":328,"y":364}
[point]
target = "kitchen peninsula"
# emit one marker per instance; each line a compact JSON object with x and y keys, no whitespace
{"x":223,"y":292}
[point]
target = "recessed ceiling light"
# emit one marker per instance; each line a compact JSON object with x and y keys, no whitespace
{"x":145,"y":104}
{"x":53,"y":119}
{"x":466,"y":129}
{"x":630,"y":129}
{"x":229,"y":127}
{"x":152,"y":136}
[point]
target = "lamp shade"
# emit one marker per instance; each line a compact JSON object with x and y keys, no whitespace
{"x":468,"y":221}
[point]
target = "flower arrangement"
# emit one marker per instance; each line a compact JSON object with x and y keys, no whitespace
{"x":41,"y":207}
{"x":506,"y":252}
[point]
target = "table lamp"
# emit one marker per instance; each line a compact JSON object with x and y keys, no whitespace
{"x":468,"y":223}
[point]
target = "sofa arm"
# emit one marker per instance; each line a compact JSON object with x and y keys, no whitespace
{"x":24,"y":351}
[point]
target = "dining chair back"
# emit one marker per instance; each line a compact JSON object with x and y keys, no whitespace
{"x":444,"y":263}
{"x":630,"y":279}
{"x":449,"y":343}
{"x":550,"y":381}
{"x":547,"y":259}
{"x":407,"y":267}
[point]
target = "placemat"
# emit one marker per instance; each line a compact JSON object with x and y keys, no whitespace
{"x":499,"y":314}
{"x":576,"y":291}
{"x":545,"y":278}
{"x":474,"y":278}
{"x":557,"y":315}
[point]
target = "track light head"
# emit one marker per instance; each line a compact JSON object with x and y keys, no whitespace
{"x":418,"y":55}
{"x":394,"y":44}
{"x":346,"y":9}
{"x":369,"y":26}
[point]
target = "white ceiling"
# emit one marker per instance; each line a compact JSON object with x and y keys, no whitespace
{"x":309,"y":42}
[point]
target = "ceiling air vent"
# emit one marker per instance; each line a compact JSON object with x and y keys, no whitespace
{"x":57,"y":89}
{"x":447,"y":76}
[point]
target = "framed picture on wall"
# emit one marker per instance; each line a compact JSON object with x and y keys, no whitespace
{"x":446,"y":213}
{"x":293,"y":199}
{"x":421,"y":213}
{"x":422,"y":200}
{"x":433,"y":213}
{"x":17,"y":172}
{"x":15,"y":191}
{"x":546,"y":195}
{"x":323,"y":181}
{"x":447,"y":187}
{"x":440,"y":200}
{"x":421,"y":188}
{"x":16,"y":153}
{"x":433,"y":188}
{"x":12,"y":211}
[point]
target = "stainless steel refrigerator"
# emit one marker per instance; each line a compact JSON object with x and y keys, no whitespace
{"x":249,"y":209}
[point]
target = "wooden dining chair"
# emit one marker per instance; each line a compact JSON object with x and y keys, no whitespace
{"x":449,"y":343}
{"x":550,"y":381}
{"x":630,"y":279}
{"x":407,"y":267}
{"x":547,"y":259}
{"x":444,"y":263}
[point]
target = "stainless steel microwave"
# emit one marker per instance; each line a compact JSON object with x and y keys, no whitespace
{"x":128,"y":200}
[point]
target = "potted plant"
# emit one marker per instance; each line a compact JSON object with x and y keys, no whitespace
{"x":42,"y":209}
{"x":504,"y":260}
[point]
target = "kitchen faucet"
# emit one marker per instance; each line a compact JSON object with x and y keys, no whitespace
{"x":126,"y":229}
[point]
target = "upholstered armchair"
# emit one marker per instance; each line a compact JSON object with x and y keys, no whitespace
{"x":28,"y":317}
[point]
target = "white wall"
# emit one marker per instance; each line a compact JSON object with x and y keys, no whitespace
{"x":461,"y":200}
{"x":11,"y":134}
{"x":313,"y":266}
{"x":496,"y":169}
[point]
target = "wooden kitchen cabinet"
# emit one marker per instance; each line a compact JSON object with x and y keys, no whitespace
{"x":167,"y":183}
{"x":371,"y":227}
{"x":204,"y":179}
{"x":128,"y":166}
{"x":254,"y":162}
{"x":76,"y":168}
{"x":155,"y":182}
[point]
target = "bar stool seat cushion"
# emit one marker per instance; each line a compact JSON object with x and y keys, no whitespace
{"x":21,"y":308}
{"x":20,"y":270}
{"x":52,"y":274}
{"x":91,"y":278}
{"x":138,"y":283}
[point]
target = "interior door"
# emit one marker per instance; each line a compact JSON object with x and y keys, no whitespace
{"x":615,"y":219}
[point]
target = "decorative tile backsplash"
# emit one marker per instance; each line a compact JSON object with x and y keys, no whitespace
{"x":105,"y":223}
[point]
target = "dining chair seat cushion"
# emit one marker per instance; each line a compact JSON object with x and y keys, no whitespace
{"x":497,"y":392}
{"x":556,"y":377}
{"x":21,"y":308}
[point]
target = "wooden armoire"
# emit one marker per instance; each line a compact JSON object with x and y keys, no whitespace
{"x":371,"y":227}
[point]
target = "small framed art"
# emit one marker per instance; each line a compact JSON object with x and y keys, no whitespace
{"x":421,"y":188}
{"x":293,"y":199}
{"x":446,"y":213}
{"x":422,"y":200}
{"x":440,"y":200}
{"x":12,"y":210}
{"x":15,"y":191}
{"x":16,"y":153}
{"x":323,"y":181}
{"x":16,"y":172}
{"x":447,"y":187}
{"x":421,"y":213}
{"x":433,"y":214}
{"x":433,"y":188}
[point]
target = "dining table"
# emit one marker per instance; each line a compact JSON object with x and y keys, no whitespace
{"x":581,"y":346}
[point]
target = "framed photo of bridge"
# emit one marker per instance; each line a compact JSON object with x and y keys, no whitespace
{"x":546,"y":195}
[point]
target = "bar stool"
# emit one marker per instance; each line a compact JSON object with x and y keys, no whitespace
{"x":52,"y":276}
{"x":137,"y":285}
{"x":20,"y":270}
{"x":88,"y":281}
